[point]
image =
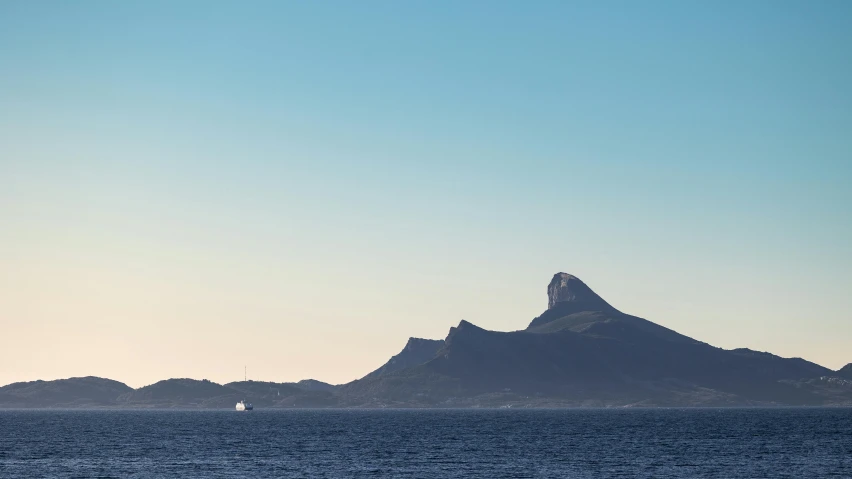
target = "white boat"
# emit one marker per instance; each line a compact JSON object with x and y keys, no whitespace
{"x":243,"y":405}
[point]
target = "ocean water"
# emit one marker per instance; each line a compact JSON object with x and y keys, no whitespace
{"x":590,"y":443}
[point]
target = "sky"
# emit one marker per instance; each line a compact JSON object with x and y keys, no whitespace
{"x":188,"y":188}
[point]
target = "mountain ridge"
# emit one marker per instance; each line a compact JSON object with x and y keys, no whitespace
{"x":581,"y":351}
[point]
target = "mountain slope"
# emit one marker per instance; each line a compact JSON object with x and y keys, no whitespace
{"x":416,"y":351}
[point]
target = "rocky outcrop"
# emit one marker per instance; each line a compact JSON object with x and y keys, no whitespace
{"x":568,"y":295}
{"x":565,"y":287}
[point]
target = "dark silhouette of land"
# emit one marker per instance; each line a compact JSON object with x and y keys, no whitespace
{"x":581,"y":351}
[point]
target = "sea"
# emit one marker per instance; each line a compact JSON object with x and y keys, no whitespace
{"x":462,"y":443}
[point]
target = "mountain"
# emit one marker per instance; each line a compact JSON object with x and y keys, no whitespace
{"x":583,"y":351}
{"x":72,"y":392}
{"x":845,"y":372}
{"x":416,"y":351}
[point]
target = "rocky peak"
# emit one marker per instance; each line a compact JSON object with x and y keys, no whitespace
{"x":567,"y":295}
{"x":565,"y":287}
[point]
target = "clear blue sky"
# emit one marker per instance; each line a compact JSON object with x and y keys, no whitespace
{"x":186,"y":187}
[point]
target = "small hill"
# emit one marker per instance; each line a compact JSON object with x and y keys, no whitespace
{"x":314,"y":385}
{"x":87,"y":391}
{"x":181,"y":392}
{"x":268,"y":394}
